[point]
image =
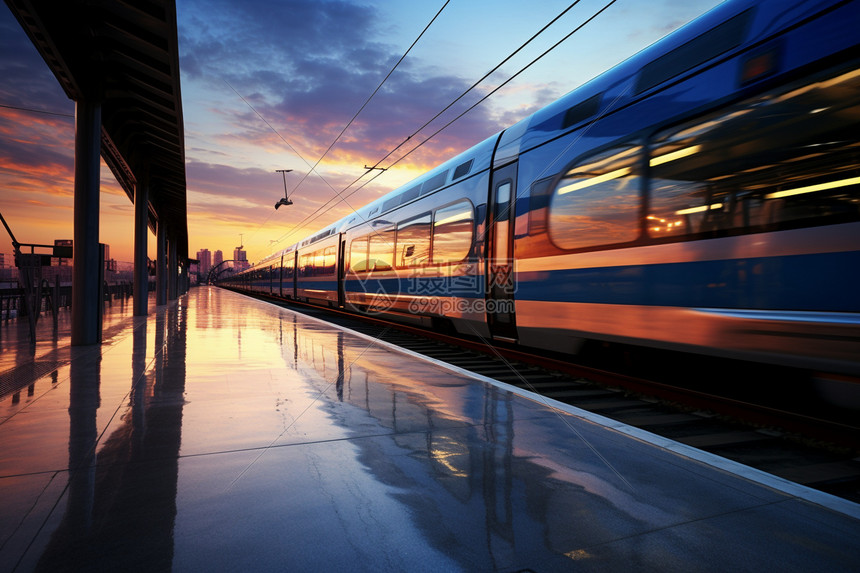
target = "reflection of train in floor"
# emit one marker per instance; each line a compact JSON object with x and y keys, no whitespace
{"x":702,"y":196}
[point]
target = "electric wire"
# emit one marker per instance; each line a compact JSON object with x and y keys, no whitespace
{"x":313,"y":216}
{"x":299,"y":155}
{"x":474,"y":85}
{"x":37,"y":111}
{"x":462,"y":95}
{"x":316,"y":214}
{"x":503,"y":84}
{"x":367,"y":101}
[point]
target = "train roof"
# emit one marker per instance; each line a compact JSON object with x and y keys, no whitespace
{"x":474,"y":160}
{"x":724,"y":30}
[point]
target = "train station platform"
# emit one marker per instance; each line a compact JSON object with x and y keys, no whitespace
{"x":222,"y":433}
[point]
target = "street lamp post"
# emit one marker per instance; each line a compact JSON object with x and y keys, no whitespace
{"x":286,"y":199}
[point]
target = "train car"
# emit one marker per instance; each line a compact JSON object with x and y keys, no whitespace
{"x":319,"y":268}
{"x":416,"y":255}
{"x":703,"y":196}
{"x":260,"y":278}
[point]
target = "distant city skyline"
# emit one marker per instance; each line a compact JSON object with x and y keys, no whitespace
{"x":208,"y":260}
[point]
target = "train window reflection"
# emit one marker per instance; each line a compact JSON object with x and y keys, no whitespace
{"x":306,"y":265}
{"x":413,"y":242}
{"x":328,"y":261}
{"x":597,"y":203}
{"x":786,"y":159}
{"x":453,"y":230}
{"x":381,"y":252}
{"x":358,"y":255}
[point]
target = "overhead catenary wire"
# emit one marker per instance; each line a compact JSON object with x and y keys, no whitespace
{"x":474,"y":85}
{"x":371,"y":96}
{"x":349,"y":123}
{"x":337,"y":193}
{"x":504,"y":83}
{"x":462,"y":95}
{"x":313,"y":216}
{"x":42,"y":111}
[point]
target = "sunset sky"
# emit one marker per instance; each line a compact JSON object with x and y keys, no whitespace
{"x":306,"y":67}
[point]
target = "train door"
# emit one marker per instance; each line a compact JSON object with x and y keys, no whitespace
{"x":341,"y":270}
{"x":500,"y":254}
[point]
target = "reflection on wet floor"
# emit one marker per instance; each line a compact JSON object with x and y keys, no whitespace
{"x":224,"y":433}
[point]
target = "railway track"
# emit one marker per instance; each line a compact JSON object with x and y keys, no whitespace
{"x":802,"y":447}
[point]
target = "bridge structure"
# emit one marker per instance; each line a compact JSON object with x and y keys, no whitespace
{"x":119,"y":62}
{"x":215,"y":272}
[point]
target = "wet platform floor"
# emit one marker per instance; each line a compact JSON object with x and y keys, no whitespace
{"x":222,"y":433}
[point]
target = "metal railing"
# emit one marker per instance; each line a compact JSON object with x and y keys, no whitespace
{"x":52,"y":298}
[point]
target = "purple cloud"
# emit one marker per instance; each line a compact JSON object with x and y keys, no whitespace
{"x":27,"y":81}
{"x":311,"y":65}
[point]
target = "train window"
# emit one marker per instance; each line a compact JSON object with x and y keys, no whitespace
{"x":381,"y":252}
{"x":783,"y":160}
{"x":413,"y":242}
{"x":597,"y":203}
{"x":453,"y":232}
{"x":699,"y":50}
{"x":582,"y":111}
{"x":306,"y":265}
{"x":358,"y":255}
{"x":462,"y":170}
{"x":501,"y":221}
{"x":434,"y":182}
{"x":310,"y":264}
{"x":391,"y":203}
{"x":328,"y":261}
{"x":410,"y":194}
{"x":538,"y":202}
{"x":318,"y":263}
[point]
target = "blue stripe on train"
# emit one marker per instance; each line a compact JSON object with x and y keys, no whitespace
{"x":820,"y":282}
{"x":317,"y":285}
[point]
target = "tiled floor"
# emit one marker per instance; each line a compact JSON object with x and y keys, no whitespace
{"x":221,"y":433}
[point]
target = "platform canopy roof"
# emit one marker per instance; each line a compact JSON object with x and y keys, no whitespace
{"x":125,"y":54}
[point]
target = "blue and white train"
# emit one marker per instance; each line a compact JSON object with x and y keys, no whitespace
{"x":702,"y":196}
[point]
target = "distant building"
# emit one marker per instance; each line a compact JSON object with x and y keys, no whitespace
{"x":2,"y":260}
{"x":63,"y":262}
{"x":217,"y":258}
{"x":204,"y":264}
{"x":241,"y":258}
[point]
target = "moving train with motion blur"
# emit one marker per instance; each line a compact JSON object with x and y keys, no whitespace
{"x":702,"y":196}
